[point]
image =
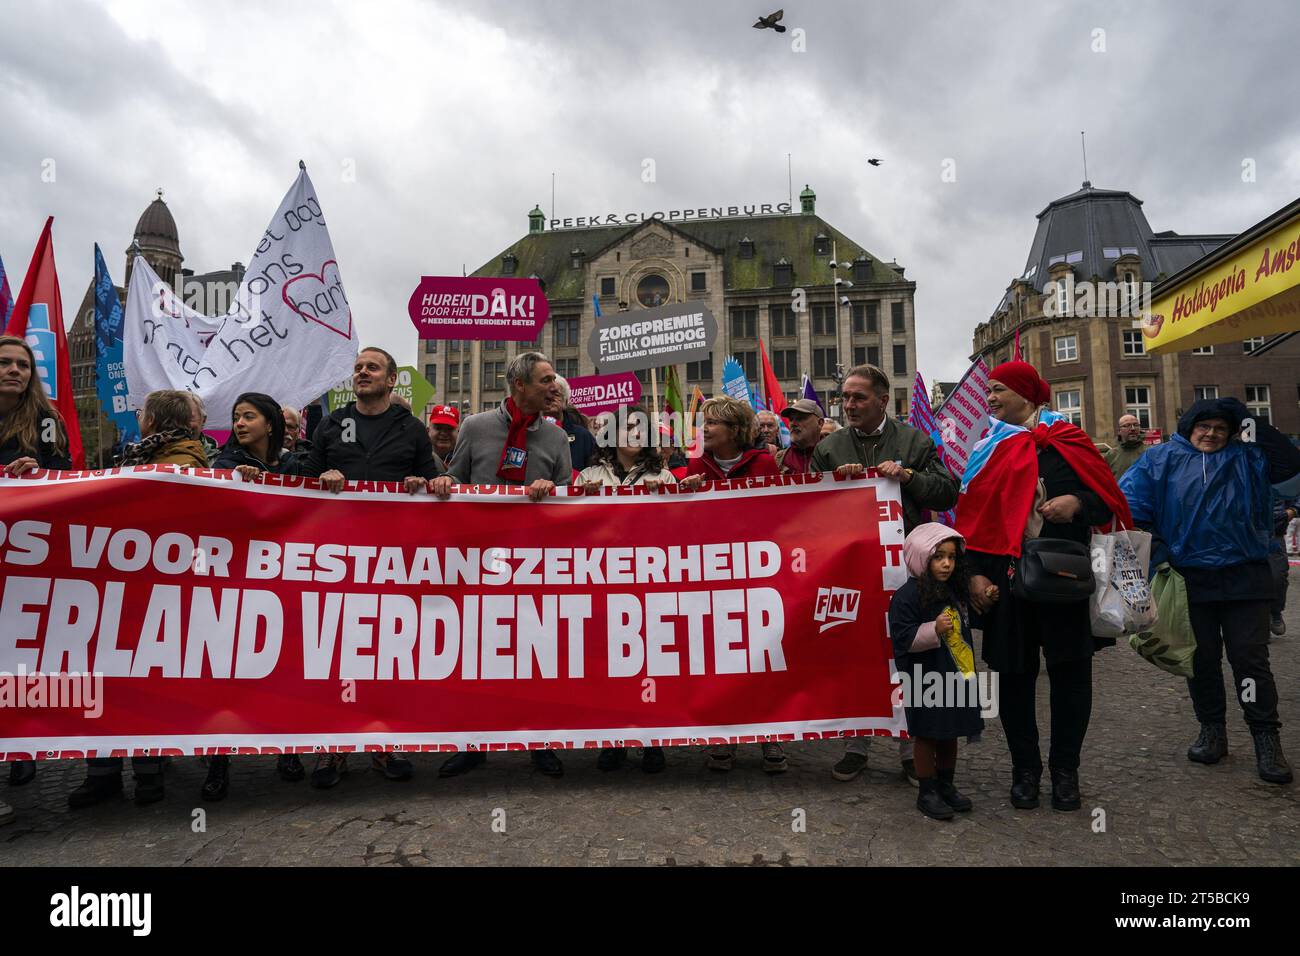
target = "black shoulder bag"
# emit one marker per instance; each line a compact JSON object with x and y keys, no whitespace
{"x":1053,"y":571}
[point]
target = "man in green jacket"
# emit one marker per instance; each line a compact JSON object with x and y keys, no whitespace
{"x":898,"y":451}
{"x":1130,"y":448}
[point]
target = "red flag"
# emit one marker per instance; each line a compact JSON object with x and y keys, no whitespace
{"x":775,"y":397}
{"x":38,"y":318}
{"x":1017,"y":356}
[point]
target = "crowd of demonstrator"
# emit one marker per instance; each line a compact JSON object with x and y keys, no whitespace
{"x":958,"y":575}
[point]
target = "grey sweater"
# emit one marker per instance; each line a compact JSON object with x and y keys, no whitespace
{"x":483,"y":437}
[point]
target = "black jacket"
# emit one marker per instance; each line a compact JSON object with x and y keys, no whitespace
{"x":403,"y":449}
{"x":47,"y":457}
{"x":233,"y":455}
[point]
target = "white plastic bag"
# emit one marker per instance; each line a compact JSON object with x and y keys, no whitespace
{"x":1122,"y":602}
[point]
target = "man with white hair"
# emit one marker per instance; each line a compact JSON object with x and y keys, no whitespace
{"x":582,"y":446}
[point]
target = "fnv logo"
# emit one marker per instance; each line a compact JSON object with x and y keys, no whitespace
{"x":836,"y":606}
{"x":133,"y":910}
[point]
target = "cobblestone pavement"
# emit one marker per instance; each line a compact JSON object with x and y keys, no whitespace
{"x":1158,"y":807}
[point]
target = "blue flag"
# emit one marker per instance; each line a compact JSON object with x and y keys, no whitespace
{"x":734,"y":382}
{"x":110,"y":374}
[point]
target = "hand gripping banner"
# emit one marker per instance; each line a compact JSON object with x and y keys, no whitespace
{"x":149,"y":610}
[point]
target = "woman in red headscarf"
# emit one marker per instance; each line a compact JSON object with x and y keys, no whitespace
{"x":1034,"y":475}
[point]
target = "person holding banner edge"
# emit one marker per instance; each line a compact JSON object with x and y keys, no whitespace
{"x":26,"y":419}
{"x":513,"y":445}
{"x":370,"y":439}
{"x":898,"y":451}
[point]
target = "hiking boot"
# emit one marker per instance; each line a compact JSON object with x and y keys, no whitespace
{"x":95,"y":790}
{"x":611,"y":758}
{"x":850,"y":767}
{"x":1065,"y":790}
{"x":1211,"y":746}
{"x":392,"y":766}
{"x":930,"y":803}
{"x":329,"y":770}
{"x":1269,"y":757}
{"x":652,"y":760}
{"x":548,"y":763}
{"x":463,"y":761}
{"x":1276,"y":625}
{"x":774,"y":759}
{"x":1024,"y":788}
{"x":218,"y":781}
{"x":290,"y":768}
{"x":950,"y":794}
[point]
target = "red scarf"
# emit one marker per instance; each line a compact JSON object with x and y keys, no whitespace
{"x":514,"y":455}
{"x":993,"y":511}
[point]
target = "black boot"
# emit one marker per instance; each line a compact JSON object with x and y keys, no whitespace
{"x":1269,"y":757}
{"x":1211,"y":746}
{"x":1024,"y":788}
{"x":95,"y":790}
{"x":22,"y":772}
{"x":1065,"y":790}
{"x":218,"y":782}
{"x":930,"y":803}
{"x":149,"y":788}
{"x":951,"y":796}
{"x":290,"y":768}
{"x":611,"y":758}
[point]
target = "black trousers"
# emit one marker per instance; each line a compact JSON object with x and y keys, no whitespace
{"x":108,"y":766}
{"x":1240,"y":628}
{"x":1071,"y":708}
{"x":1278,"y":564}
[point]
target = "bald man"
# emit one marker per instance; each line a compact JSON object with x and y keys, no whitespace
{"x":1130,"y":448}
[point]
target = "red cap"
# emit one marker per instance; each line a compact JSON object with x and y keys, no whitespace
{"x":445,"y":415}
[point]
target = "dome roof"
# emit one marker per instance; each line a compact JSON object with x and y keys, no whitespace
{"x":156,"y":224}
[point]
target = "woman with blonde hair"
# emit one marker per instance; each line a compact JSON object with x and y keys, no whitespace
{"x":728,"y":431}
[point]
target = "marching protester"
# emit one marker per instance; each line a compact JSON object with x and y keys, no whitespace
{"x":729,"y":442}
{"x":634,"y":461}
{"x":1206,"y":496}
{"x":444,"y":427}
{"x":728,"y":437}
{"x":256,"y":441}
{"x":32,"y":435}
{"x":930,"y":629}
{"x":167,"y":432}
{"x":370,"y":439}
{"x":768,"y":432}
{"x":582,"y":446}
{"x":256,"y":444}
{"x":199,"y":418}
{"x":829,"y":426}
{"x":168,"y":438}
{"x":292,"y":427}
{"x":805,"y":419}
{"x":1035,"y":475}
{"x":899,"y":452}
{"x":1121,"y":457}
{"x":513,"y":445}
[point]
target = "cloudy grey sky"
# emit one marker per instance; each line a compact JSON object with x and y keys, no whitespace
{"x":454,"y":116}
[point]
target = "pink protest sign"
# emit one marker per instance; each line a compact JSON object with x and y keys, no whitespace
{"x":593,"y":394}
{"x":467,"y":307}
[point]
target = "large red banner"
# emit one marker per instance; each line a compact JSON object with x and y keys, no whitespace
{"x":149,"y":610}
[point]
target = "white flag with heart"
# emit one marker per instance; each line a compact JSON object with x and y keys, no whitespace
{"x":288,"y":334}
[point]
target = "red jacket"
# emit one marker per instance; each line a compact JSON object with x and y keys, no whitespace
{"x":753,"y":463}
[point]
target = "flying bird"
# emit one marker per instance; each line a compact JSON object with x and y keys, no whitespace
{"x":770,"y":22}
{"x":874,"y":162}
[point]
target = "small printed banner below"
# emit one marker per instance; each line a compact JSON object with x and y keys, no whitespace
{"x":593,"y":394}
{"x":653,"y":338}
{"x":456,"y":634}
{"x":472,"y":307}
{"x":411,"y":385}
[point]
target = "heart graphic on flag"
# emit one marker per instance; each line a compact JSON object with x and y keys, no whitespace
{"x":322,"y":299}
